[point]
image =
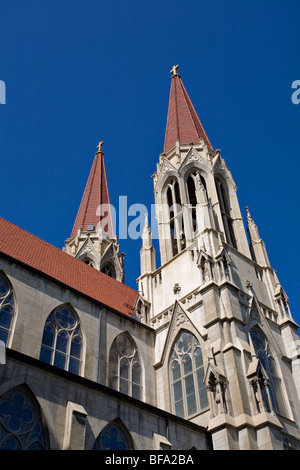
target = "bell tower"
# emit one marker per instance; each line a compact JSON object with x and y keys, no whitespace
{"x":218,"y":292}
{"x":197,"y":209}
{"x":92,"y":239}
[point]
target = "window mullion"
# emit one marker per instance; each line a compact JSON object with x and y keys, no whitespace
{"x":176,"y":215}
{"x":119,"y":372}
{"x":184,"y":398}
{"x":68,"y":350}
{"x":130,"y":375}
{"x":56,"y":331}
{"x":195,"y":378}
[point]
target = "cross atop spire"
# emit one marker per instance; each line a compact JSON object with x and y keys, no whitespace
{"x":174,"y":70}
{"x":99,"y":146}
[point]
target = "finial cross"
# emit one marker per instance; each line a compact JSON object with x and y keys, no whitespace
{"x":174,"y":70}
{"x":99,"y":146}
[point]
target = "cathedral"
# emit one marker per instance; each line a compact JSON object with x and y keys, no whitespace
{"x":203,"y":355}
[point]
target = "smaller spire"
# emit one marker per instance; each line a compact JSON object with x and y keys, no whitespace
{"x":94,"y":199}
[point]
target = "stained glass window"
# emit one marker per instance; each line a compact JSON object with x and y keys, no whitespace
{"x":21,"y":426}
{"x":113,"y":437}
{"x":124,"y":367}
{"x":62,"y":340}
{"x":187,"y":376}
{"x":266,"y":359}
{"x":7,"y":308}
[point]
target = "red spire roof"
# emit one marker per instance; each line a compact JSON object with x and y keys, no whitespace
{"x":95,"y":195}
{"x":183,"y":124}
{"x":35,"y":253}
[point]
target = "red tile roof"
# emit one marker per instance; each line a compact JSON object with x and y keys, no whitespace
{"x":35,"y":253}
{"x":95,"y":194}
{"x":183,"y":123}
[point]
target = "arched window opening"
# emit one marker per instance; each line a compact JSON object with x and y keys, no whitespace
{"x":89,"y":262}
{"x":21,"y":422}
{"x":176,"y":223}
{"x":273,"y":383}
{"x":193,"y":202}
{"x":177,"y":193}
{"x":109,"y":270}
{"x":113,"y":437}
{"x":225,"y":212}
{"x":195,"y":183}
{"x":62,"y":340}
{"x":188,"y":389}
{"x":125,"y":373}
{"x":7,"y":308}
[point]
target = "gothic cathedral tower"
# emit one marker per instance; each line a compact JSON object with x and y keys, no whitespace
{"x":225,"y":340}
{"x":92,"y":239}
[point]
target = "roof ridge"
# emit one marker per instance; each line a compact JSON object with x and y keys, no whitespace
{"x":17,"y":252}
{"x":29,"y":233}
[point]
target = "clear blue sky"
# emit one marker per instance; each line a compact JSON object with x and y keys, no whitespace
{"x":80,"y":71}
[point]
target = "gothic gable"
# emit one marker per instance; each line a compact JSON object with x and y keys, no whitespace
{"x":220,"y":168}
{"x":255,"y":317}
{"x":180,"y":321}
{"x":166,"y":170}
{"x":194,"y":159}
{"x":87,"y":251}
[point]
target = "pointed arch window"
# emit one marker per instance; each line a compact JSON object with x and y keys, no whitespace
{"x":21,"y":423}
{"x":273,"y":382}
{"x":113,"y":437}
{"x":89,"y":262}
{"x":196,"y":183}
{"x":125,"y":372}
{"x":177,"y":233}
{"x":7,"y":308}
{"x":62,"y":340}
{"x":109,"y":270}
{"x":225,"y":212}
{"x":188,"y":389}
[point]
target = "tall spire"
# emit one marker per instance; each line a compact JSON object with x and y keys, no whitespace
{"x":183,"y":123}
{"x":94,"y":207}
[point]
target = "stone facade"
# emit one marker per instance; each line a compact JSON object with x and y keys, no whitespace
{"x":208,"y":355}
{"x":221,"y":292}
